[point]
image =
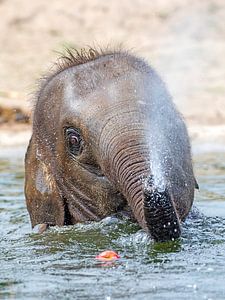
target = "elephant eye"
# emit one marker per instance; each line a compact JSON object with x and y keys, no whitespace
{"x":73,"y":140}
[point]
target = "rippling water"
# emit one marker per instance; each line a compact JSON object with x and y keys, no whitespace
{"x":60,"y":264}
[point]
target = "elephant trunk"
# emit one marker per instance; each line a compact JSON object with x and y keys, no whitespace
{"x":127,"y":165}
{"x":160,"y":214}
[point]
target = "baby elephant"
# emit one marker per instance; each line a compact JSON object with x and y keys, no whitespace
{"x":108,"y":138}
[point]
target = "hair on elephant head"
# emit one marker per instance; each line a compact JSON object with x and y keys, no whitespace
{"x":107,"y":137}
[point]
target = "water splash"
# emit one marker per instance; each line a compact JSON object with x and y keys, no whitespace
{"x":60,"y":263}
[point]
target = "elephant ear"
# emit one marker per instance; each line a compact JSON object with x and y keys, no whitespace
{"x":44,"y":203}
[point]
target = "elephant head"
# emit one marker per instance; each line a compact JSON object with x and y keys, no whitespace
{"x":106,"y":138}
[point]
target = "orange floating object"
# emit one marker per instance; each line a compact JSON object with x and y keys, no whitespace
{"x":108,"y":255}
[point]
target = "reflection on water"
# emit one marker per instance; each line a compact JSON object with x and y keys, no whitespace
{"x":60,"y":264}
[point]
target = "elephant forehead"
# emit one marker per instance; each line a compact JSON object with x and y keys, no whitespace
{"x":128,"y":88}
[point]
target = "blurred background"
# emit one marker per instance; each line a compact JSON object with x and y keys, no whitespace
{"x":184,"y":40}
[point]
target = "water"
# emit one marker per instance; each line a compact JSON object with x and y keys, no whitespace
{"x":60,"y":264}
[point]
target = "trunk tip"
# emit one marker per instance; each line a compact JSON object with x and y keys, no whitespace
{"x":160,"y":215}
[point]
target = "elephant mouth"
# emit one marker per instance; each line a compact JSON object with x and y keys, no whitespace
{"x":92,"y":203}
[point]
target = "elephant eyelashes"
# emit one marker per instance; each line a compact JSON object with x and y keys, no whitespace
{"x":73,"y":140}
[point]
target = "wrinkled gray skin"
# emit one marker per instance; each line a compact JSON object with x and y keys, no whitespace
{"x":134,"y":154}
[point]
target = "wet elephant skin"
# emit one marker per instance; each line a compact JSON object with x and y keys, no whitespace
{"x":107,"y":138}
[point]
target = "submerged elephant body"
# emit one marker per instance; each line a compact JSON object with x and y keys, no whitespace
{"x":106,"y":138}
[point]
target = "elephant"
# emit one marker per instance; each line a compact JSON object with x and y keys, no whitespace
{"x":107,"y":138}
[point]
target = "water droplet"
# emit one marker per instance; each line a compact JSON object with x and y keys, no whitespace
{"x":210,"y":269}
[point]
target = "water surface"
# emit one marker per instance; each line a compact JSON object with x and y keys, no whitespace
{"x":60,"y":264}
